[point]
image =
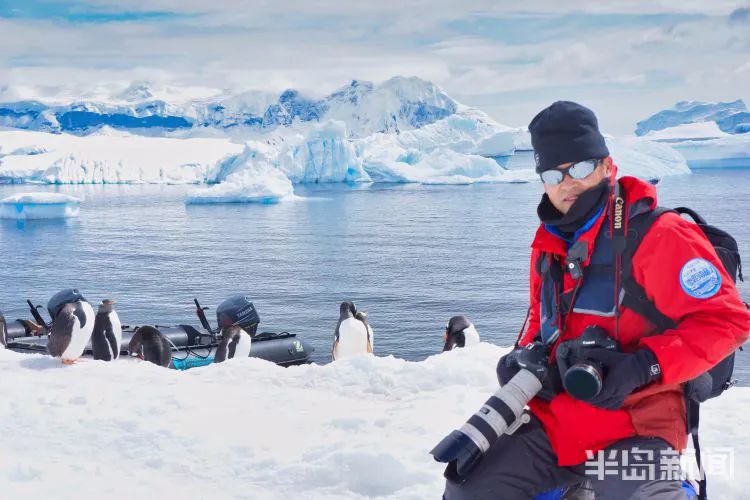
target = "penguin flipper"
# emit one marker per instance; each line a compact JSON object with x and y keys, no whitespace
{"x":80,"y":314}
{"x":166,"y":353}
{"x":221,"y":352}
{"x":3,"y":331}
{"x":334,"y":350}
{"x":61,"y":334}
{"x":98,"y":340}
{"x":113,"y":348}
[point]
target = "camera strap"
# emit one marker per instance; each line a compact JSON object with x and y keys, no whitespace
{"x":618,"y":221}
{"x":563,"y":301}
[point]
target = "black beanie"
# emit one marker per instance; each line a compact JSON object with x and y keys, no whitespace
{"x":565,"y":132}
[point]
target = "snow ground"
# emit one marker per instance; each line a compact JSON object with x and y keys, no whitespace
{"x":355,"y":429}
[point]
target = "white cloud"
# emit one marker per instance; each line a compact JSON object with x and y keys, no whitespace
{"x":319,"y":46}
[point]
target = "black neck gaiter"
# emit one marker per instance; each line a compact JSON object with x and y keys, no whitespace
{"x":588,"y":203}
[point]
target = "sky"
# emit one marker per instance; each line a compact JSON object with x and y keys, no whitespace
{"x":624,"y":59}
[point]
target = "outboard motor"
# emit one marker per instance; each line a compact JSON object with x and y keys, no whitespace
{"x":238,"y":310}
{"x":58,"y":300}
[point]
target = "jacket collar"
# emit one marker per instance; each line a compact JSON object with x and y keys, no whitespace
{"x":636,"y":191}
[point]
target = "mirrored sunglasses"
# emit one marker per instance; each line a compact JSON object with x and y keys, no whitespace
{"x":579,"y":170}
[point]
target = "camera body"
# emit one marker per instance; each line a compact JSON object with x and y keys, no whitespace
{"x":582,"y":377}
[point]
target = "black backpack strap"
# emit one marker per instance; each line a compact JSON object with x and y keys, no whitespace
{"x":635,"y":297}
{"x":693,"y":418}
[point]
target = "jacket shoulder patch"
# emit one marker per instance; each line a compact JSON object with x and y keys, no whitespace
{"x":700,"y":279}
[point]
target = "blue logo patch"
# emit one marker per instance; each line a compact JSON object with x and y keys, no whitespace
{"x":700,"y":279}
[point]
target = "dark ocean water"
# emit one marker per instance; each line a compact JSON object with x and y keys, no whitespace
{"x":411,"y":255}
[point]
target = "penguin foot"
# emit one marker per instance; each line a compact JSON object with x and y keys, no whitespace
{"x":69,"y":361}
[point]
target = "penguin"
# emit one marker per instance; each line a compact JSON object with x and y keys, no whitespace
{"x":3,"y":331}
{"x":460,"y":332}
{"x":235,"y":343}
{"x":352,"y":334}
{"x":149,"y":344}
{"x":106,"y":338}
{"x":71,"y":330}
{"x":362,"y":316}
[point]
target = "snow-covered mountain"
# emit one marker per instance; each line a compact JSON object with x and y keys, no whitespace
{"x":395,"y":105}
{"x":730,"y":117}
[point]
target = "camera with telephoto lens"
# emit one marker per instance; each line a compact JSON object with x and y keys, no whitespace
{"x":503,"y":413}
{"x":582,"y":377}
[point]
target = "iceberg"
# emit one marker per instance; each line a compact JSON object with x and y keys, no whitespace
{"x":730,"y":117}
{"x":305,"y":154}
{"x":646,"y":159}
{"x":522,"y":139}
{"x":463,"y":146}
{"x":248,"y":178}
{"x":108,"y":158}
{"x":705,"y":145}
{"x":323,"y":154}
{"x":32,"y":206}
{"x":253,"y":185}
{"x":440,"y":166}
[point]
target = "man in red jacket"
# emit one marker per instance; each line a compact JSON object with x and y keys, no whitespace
{"x":638,"y":417}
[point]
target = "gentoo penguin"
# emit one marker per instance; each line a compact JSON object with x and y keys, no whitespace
{"x":71,"y":329}
{"x":460,"y":332}
{"x":3,"y":331}
{"x":235,"y":343}
{"x":352,"y":335}
{"x":106,"y":339}
{"x":150,"y":344}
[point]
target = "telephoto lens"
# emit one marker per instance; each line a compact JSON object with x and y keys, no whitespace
{"x":583,"y":378}
{"x":462,"y":449}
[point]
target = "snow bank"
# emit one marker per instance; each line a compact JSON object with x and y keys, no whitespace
{"x":356,"y":429}
{"x":27,"y":206}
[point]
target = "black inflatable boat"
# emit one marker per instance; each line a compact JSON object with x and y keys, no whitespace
{"x":191,"y":346}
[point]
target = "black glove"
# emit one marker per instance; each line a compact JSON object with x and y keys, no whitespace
{"x":623,"y":374}
{"x":508,"y":366}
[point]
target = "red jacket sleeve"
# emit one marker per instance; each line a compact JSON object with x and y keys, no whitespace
{"x":681,"y":273}
{"x":532,"y":328}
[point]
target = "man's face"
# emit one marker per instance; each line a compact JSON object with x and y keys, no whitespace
{"x":566,"y":193}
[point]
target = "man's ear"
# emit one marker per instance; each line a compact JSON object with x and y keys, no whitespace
{"x":608,"y":166}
